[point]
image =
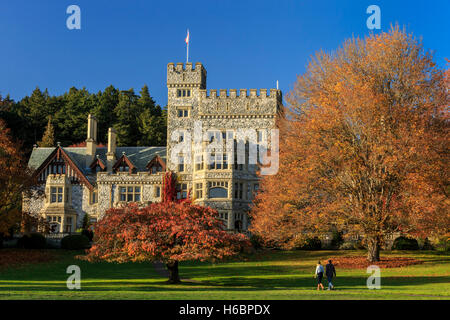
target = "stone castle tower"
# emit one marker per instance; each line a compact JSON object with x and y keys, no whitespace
{"x":221,"y":183}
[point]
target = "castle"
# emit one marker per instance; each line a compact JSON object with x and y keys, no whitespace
{"x":215,"y":145}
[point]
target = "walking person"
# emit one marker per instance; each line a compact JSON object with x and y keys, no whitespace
{"x":330,"y":271}
{"x":319,"y":275}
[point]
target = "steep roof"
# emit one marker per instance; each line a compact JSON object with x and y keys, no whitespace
{"x":139,"y":156}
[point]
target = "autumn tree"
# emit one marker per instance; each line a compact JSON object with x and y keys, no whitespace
{"x":15,"y":179}
{"x":364,"y":147}
{"x":48,"y":139}
{"x":169,"y":232}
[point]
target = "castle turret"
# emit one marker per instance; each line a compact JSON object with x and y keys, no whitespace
{"x":186,"y":76}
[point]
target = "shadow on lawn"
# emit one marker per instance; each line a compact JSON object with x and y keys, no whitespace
{"x":221,"y":284}
{"x":141,"y":277}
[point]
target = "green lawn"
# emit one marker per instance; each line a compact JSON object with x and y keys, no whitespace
{"x":274,"y":275}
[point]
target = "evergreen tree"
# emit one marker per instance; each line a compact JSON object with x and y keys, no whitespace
{"x":152,"y":123}
{"x":153,"y":129}
{"x":72,"y":117}
{"x":127,"y":112}
{"x":48,"y":140}
{"x":36,"y":111}
{"x":104,"y":111}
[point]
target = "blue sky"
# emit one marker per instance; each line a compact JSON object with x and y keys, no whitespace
{"x":243,"y":44}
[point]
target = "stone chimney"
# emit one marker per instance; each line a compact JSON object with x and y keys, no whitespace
{"x":112,"y":144}
{"x":91,"y":141}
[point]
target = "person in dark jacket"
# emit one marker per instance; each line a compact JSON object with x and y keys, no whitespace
{"x":330,"y":272}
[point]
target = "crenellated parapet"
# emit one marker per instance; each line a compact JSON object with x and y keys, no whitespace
{"x":243,"y":102}
{"x":186,"y":75}
{"x":242,"y":93}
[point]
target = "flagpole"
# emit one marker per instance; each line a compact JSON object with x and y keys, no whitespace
{"x":187,"y":47}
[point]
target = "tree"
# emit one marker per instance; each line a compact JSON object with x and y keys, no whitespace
{"x":127,"y":112}
{"x":15,"y":178}
{"x":35,"y":109}
{"x":71,"y":119}
{"x":104,"y":111}
{"x":151,"y":121}
{"x":169,"y":232}
{"x":48,"y":140}
{"x":364,"y":148}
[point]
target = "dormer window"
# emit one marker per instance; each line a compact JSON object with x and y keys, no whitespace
{"x":97,"y":165}
{"x":156,"y":165}
{"x":156,"y":168}
{"x":183,"y":93}
{"x":124,"y":165}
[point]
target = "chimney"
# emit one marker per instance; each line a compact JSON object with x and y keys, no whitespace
{"x":111,"y":154}
{"x":91,"y":141}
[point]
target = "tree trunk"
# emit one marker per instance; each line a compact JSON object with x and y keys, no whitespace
{"x":373,"y":249}
{"x":174,"y":277}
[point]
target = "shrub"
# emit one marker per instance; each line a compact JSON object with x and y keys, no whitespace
{"x":352,"y":245}
{"x":337,"y":240}
{"x":425,"y":244}
{"x":405,"y":243}
{"x":75,"y":242}
{"x":88,"y":233}
{"x":256,"y":241}
{"x":442,"y":243}
{"x":311,"y":244}
{"x":347,"y":246}
{"x":32,"y":241}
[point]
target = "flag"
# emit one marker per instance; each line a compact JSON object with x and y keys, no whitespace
{"x":187,"y":37}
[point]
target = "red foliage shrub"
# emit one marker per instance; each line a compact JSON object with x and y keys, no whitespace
{"x":163,"y":232}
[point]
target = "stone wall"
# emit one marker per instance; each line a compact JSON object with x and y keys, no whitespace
{"x":108,"y":188}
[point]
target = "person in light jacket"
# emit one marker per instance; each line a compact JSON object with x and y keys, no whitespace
{"x":319,"y":275}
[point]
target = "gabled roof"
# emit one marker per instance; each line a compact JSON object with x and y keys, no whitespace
{"x":97,"y":162}
{"x":156,"y":160}
{"x":124,"y":160}
{"x":59,"y":154}
{"x":139,"y":156}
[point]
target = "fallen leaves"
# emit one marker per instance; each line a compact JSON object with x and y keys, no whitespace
{"x":18,"y":257}
{"x":360,"y":262}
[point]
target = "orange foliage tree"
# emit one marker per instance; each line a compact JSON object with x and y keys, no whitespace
{"x":364,"y":147}
{"x":15,"y":178}
{"x":169,"y":232}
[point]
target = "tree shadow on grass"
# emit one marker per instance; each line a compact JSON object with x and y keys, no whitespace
{"x":221,"y":284}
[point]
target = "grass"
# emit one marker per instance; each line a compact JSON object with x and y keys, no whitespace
{"x":273,"y":275}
